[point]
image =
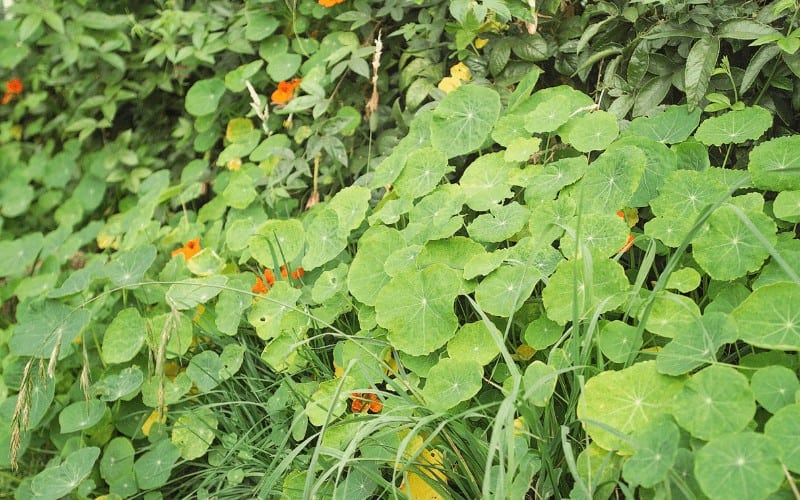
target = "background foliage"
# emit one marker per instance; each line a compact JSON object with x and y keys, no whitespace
{"x":439,"y":249}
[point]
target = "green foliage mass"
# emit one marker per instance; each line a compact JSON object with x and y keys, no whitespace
{"x":355,"y":249}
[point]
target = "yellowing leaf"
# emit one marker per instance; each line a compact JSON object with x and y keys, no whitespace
{"x":461,"y":71}
{"x":481,"y":43}
{"x":153,"y":418}
{"x":418,"y":489}
{"x":449,"y":84}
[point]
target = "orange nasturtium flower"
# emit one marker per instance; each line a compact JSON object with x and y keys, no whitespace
{"x":285,"y":91}
{"x":13,"y":87}
{"x":629,"y":241}
{"x":330,"y":3}
{"x":260,"y":287}
{"x":189,"y":250}
{"x":365,"y":402}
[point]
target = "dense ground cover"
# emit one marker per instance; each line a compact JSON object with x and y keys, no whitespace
{"x":372,"y":249}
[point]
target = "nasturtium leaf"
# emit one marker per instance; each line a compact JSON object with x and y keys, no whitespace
{"x":204,"y":96}
{"x":329,"y":283}
{"x":599,"y":470}
{"x":484,"y":263}
{"x":402,"y":260}
{"x":521,"y":149}
{"x":542,"y":333}
{"x":128,"y":267}
{"x":674,"y":125}
{"x":273,"y":147}
{"x":350,"y":204}
{"x":416,"y":307}
{"x":436,"y":216}
{"x":204,"y":370}
{"x":450,"y":382}
{"x":611,"y":180}
{"x":548,"y":115}
{"x":775,"y":164}
{"x":508,"y":130}
{"x":504,"y":222}
{"x":367,"y":276}
{"x":193,"y":432}
{"x":696,"y":344}
{"x":660,"y":162}
{"x":122,"y":385}
{"x":601,"y":290}
{"x":549,"y":218}
{"x":485,"y":182}
{"x":464,"y":118}
{"x":671,"y":314}
{"x":283,"y":355}
{"x":475,"y":342}
{"x":774,"y":387}
{"x":769,"y":317}
{"x":117,"y":461}
{"x":743,"y":465}
{"x":60,"y":480}
{"x":177,"y":328}
{"x":18,"y":254}
{"x":715,"y":401}
{"x":728,"y":249}
{"x":362,"y":359}
{"x":786,"y":207}
{"x":734,"y":127}
{"x":81,"y":279}
{"x":684,"y":280}
{"x":603,"y":235}
{"x":81,"y":415}
{"x":283,"y":66}
{"x":618,"y":341}
{"x":190,"y":293}
{"x":329,"y":401}
{"x":626,"y":400}
{"x":539,"y":382}
{"x":507,"y":288}
{"x":656,"y":449}
{"x":325,"y":238}
{"x":42,"y":324}
{"x":232,"y":304}
{"x":685,"y":193}
{"x":784,"y":428}
{"x":154,"y":467}
{"x":547,"y":181}
{"x":789,"y":249}
{"x":453,"y":252}
{"x":591,"y":132}
{"x":423,"y":170}
{"x":240,"y":191}
{"x":260,"y":24}
{"x":235,"y":79}
{"x":238,"y":129}
{"x":267,"y":313}
{"x":174,"y":390}
{"x":277,"y":242}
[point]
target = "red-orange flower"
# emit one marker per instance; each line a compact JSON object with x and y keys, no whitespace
{"x":284,"y":272}
{"x":330,"y":3}
{"x":189,"y":250}
{"x":260,"y":286}
{"x":14,"y":86}
{"x":365,"y":402}
{"x":285,"y":91}
{"x":269,"y":277}
{"x":629,"y":241}
{"x":298,"y":273}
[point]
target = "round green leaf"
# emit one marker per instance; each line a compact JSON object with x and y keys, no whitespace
{"x":539,"y":382}
{"x":267,"y":313}
{"x":728,"y":249}
{"x":40,"y":325}
{"x":204,"y":96}
{"x":672,"y":126}
{"x":542,"y":333}
{"x":696,"y":344}
{"x":734,"y":127}
{"x":260,"y":24}
{"x":744,"y":465}
{"x":775,"y":164}
{"x":326,"y":239}
{"x":116,"y":465}
{"x":463,"y":120}
{"x":611,"y":180}
{"x":204,"y":369}
{"x":661,"y":161}
{"x":626,"y":400}
{"x":485,"y":183}
{"x":124,"y":337}
{"x":193,"y":433}
{"x":416,"y":307}
{"x":601,"y":290}
{"x":283,"y":66}
{"x":603,"y":235}
{"x":671,"y":314}
{"x":784,"y":427}
{"x":475,"y":342}
{"x":350,"y":204}
{"x":504,"y":222}
{"x":423,"y":170}
{"x":715,"y":401}
{"x":174,"y":390}
{"x":684,"y":280}
{"x":592,"y":131}
{"x":774,"y":387}
{"x":656,"y":449}
{"x":548,"y":115}
{"x":367,"y":276}
{"x":450,"y":382}
{"x":188,"y":294}
{"x":787,"y":206}
{"x":329,"y":401}
{"x":618,"y":341}
{"x":546,"y":182}
{"x":81,"y":415}
{"x":277,"y":242}
{"x":60,"y":480}
{"x":770,"y":318}
{"x":154,"y":467}
{"x":122,"y":385}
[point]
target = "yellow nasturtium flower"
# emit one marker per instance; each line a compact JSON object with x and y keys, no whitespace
{"x":459,"y":74}
{"x":481,"y":42}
